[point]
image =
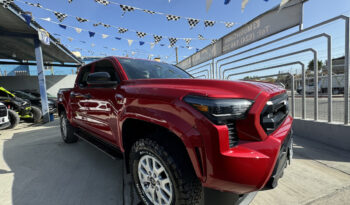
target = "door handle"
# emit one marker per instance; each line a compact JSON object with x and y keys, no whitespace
{"x":87,"y":96}
{"x":78,"y":95}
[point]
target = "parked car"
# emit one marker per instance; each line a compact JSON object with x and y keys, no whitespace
{"x":179,"y":134}
{"x":36,"y":101}
{"x":4,"y":119}
{"x":37,"y":94}
{"x":22,"y":107}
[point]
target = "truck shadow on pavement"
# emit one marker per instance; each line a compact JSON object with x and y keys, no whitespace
{"x":47,"y":171}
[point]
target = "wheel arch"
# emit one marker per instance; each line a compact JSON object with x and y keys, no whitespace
{"x":135,"y":129}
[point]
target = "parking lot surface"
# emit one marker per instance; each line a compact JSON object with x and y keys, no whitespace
{"x":36,"y":167}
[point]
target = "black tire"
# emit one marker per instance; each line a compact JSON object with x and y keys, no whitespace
{"x":186,"y":187}
{"x":67,"y":130}
{"x":14,"y":118}
{"x":36,"y":114}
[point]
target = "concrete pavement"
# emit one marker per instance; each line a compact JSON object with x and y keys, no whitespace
{"x":36,"y":167}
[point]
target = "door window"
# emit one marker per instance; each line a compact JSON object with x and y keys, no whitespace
{"x":85,"y":71}
{"x":107,"y":66}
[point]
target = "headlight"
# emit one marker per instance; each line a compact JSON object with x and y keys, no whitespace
{"x":220,"y":110}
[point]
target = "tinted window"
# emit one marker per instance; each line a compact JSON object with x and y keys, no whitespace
{"x":85,"y":71}
{"x":106,"y":66}
{"x":143,"y":69}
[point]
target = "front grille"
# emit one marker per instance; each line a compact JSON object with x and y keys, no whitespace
{"x":274,"y":113}
{"x":3,"y":111}
{"x":232,"y":134}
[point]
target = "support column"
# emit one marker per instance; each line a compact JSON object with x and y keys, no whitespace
{"x":41,"y":78}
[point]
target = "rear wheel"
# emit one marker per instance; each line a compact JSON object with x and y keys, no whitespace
{"x":67,"y":130}
{"x":161,"y":176}
{"x":36,"y":114}
{"x":14,"y":118}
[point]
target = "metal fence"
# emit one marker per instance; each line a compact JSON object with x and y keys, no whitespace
{"x":319,"y":96}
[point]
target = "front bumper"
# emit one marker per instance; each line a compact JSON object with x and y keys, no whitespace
{"x":248,"y":166}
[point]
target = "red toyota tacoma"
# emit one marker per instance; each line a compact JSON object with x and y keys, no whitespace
{"x":180,"y":135}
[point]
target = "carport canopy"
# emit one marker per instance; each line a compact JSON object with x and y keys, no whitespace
{"x":19,"y":42}
{"x":16,"y":39}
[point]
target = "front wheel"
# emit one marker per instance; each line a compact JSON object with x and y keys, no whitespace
{"x":162,"y":177}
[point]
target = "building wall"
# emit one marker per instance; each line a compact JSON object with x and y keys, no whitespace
{"x":53,"y":82}
{"x":10,"y":70}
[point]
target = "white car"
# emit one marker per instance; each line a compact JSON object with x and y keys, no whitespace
{"x":4,"y":119}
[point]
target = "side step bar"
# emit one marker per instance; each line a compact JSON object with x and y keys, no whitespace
{"x":108,"y":149}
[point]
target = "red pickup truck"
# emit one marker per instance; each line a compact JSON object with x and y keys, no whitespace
{"x":178,"y":134}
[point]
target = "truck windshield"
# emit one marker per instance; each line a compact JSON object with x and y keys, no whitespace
{"x":144,"y":69}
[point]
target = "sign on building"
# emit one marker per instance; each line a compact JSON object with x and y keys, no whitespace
{"x":269,"y":23}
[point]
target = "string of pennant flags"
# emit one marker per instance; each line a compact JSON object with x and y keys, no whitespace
{"x":169,"y":17}
{"x":125,"y":52}
{"x":157,"y":38}
{"x":172,"y":41}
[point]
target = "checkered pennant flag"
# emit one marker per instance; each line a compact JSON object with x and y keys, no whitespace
{"x":188,"y":40}
{"x":106,"y":25}
{"x":97,"y":24}
{"x":148,"y":11}
{"x":126,"y":8}
{"x":122,"y":30}
{"x":200,"y":37}
{"x":81,"y":20}
{"x":70,"y":1}
{"x":192,"y":22}
{"x":104,"y":2}
{"x":172,"y":17}
{"x":214,"y":41}
{"x":36,"y":5}
{"x":6,"y":3}
{"x":60,"y":16}
{"x":209,"y":23}
{"x":141,"y":34}
{"x":229,"y":24}
{"x":157,"y":38}
{"x":172,"y":41}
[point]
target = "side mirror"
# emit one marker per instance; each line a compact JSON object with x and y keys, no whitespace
{"x":100,"y":79}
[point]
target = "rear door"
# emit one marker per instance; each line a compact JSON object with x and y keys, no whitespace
{"x":101,"y":109}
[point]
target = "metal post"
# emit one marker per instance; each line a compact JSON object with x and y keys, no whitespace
{"x":177,"y":56}
{"x":316,"y":87}
{"x":346,"y":72}
{"x":330,"y":78}
{"x":293,"y":95}
{"x":301,"y":25}
{"x":41,"y":78}
{"x":304,"y":95}
{"x":212,"y":69}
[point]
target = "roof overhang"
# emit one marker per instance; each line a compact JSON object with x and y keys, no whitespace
{"x":17,"y":39}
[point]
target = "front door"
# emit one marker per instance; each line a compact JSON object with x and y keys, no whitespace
{"x":102,"y":112}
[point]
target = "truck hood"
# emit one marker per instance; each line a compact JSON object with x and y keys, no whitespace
{"x":209,"y":88}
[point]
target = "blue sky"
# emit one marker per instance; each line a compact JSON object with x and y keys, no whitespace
{"x":314,"y":11}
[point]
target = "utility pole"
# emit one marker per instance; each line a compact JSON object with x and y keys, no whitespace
{"x":177,"y":56}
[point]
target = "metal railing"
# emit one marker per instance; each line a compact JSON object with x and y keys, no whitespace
{"x":217,"y":69}
{"x":220,"y":71}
